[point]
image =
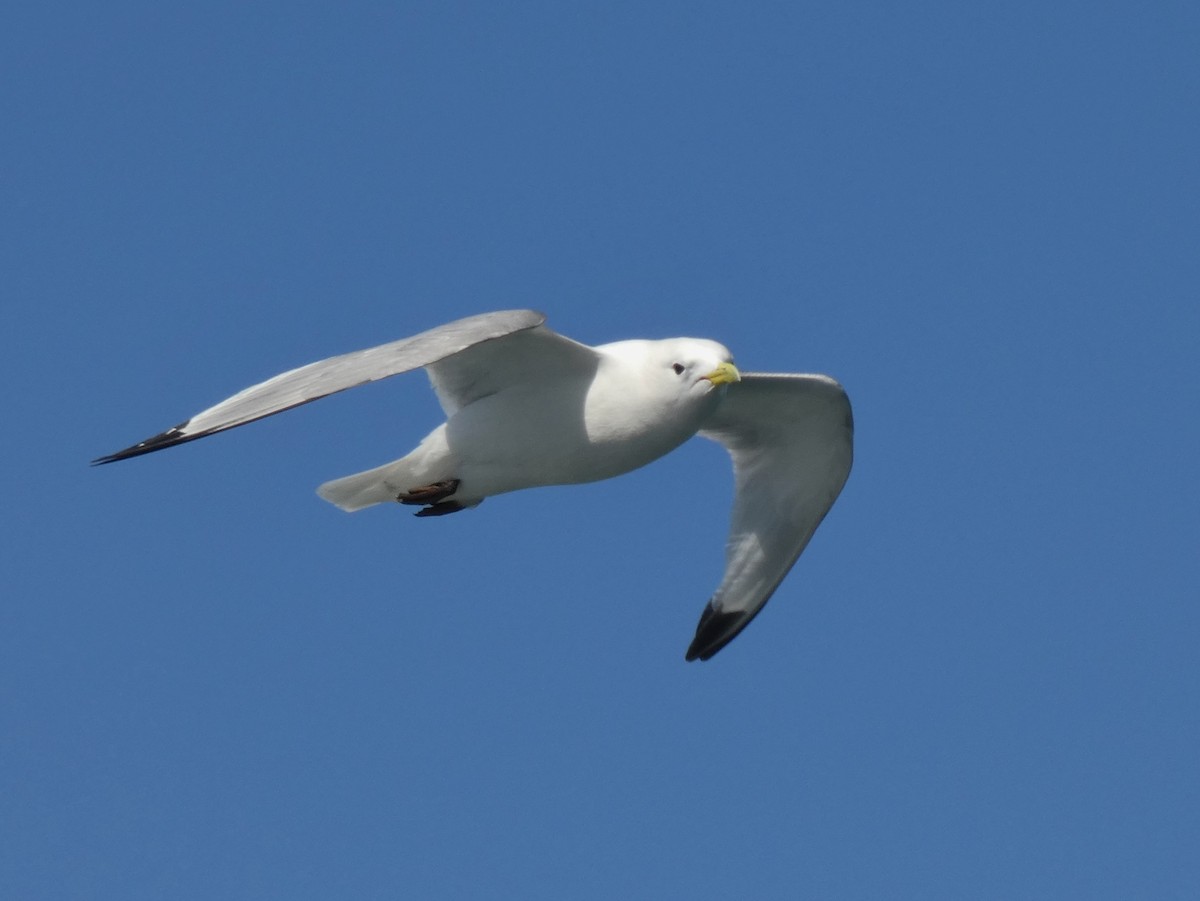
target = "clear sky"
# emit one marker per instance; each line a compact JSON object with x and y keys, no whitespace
{"x":981,"y":679}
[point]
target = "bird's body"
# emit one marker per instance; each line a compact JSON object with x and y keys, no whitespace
{"x":527,"y":407}
{"x":630,"y":410}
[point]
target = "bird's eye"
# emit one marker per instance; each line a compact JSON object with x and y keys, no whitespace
{"x":678,"y":367}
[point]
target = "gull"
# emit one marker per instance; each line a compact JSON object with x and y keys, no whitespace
{"x":528,"y":407}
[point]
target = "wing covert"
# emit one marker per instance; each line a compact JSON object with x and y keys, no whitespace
{"x":535,"y":354}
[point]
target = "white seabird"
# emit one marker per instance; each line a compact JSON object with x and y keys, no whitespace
{"x":526,"y":406}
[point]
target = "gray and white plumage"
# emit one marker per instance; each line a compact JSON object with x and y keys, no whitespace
{"x":526,"y":406}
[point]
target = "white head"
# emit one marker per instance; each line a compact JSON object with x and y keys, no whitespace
{"x":691,"y":370}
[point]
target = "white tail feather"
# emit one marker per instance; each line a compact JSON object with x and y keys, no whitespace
{"x":363,"y":489}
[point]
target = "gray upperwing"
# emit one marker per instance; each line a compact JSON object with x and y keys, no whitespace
{"x":320,"y":379}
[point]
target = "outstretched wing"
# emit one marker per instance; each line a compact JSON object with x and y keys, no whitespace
{"x":317,"y":380}
{"x":791,"y":440}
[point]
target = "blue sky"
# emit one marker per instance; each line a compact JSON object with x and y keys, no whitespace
{"x":980,"y":680}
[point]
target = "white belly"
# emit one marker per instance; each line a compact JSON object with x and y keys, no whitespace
{"x":526,"y":438}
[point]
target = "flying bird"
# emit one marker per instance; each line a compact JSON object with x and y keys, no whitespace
{"x":526,"y":407}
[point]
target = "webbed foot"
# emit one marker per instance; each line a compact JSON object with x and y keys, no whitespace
{"x":441,"y":509}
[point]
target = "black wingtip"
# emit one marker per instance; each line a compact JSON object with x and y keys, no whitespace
{"x":169,"y":438}
{"x":714,"y":631}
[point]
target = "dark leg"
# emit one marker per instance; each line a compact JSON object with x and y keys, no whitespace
{"x":429,"y":494}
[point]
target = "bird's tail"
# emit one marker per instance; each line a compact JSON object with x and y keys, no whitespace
{"x":364,"y":489}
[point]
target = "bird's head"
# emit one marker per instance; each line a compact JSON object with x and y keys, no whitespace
{"x":697,"y":366}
